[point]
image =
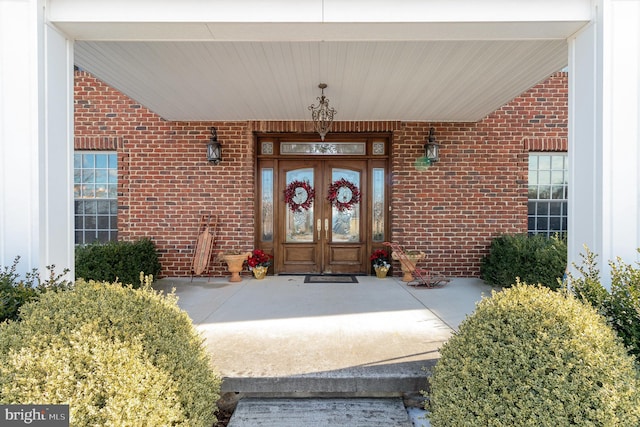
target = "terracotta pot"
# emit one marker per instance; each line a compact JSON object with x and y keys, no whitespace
{"x":408,"y":264}
{"x":235,"y":264}
{"x":259,"y":272}
{"x":381,"y":272}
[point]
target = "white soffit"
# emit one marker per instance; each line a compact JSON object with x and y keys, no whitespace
{"x":393,"y":70}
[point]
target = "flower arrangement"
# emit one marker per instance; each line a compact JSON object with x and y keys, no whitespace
{"x":259,"y":258}
{"x":380,"y":258}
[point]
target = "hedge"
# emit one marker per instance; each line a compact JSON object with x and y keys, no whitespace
{"x":117,"y":261}
{"x":535,"y":259}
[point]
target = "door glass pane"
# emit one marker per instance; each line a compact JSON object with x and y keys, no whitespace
{"x":378,"y":205}
{"x":345,"y":224}
{"x":267,"y":205}
{"x":299,"y":224}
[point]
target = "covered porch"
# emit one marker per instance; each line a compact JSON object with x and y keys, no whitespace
{"x":236,"y":60}
{"x":281,"y":337}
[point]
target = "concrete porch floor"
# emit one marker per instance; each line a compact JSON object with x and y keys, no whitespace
{"x":282,"y":337}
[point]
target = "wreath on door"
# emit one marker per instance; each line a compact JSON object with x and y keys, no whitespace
{"x":299,"y":195}
{"x":343,"y":194}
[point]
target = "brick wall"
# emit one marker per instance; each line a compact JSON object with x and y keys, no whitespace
{"x":452,"y":210}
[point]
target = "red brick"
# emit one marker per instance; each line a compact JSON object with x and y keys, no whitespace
{"x":452,"y":211}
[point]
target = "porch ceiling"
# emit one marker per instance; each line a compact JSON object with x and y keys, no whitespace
{"x":423,"y":71}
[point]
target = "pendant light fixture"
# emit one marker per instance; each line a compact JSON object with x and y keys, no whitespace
{"x":322,"y":114}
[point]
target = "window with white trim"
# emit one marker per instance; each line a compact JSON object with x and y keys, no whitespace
{"x":548,"y":193}
{"x":95,"y":188}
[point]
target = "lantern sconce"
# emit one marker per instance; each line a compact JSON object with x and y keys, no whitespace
{"x":214,"y":148}
{"x":431,"y":148}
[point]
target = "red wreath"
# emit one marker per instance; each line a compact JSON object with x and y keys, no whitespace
{"x":290,"y":193}
{"x":333,"y":195}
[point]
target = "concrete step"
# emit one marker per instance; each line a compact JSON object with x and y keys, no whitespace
{"x":386,"y":380}
{"x":328,"y":412}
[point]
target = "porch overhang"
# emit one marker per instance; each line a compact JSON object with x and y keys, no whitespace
{"x":454,"y":60}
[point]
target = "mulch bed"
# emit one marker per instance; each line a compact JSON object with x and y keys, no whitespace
{"x":223,"y":417}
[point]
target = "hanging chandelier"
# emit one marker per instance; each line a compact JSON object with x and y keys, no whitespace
{"x":322,"y":114}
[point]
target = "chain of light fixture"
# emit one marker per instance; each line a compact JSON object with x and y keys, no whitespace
{"x":322,"y":114}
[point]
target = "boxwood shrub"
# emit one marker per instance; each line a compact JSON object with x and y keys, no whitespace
{"x":150,"y":349}
{"x":15,"y":291}
{"x":621,"y":305}
{"x":529,"y":356}
{"x":107,"y":382}
{"x":533,"y":259}
{"x":117,"y":261}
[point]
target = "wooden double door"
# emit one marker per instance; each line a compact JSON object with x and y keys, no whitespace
{"x":326,"y":236}
{"x":322,"y":206}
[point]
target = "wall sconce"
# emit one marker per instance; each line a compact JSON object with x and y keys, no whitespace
{"x":431,"y":152}
{"x":431,"y":148}
{"x":214,"y":148}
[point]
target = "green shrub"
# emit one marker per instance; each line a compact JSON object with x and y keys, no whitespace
{"x":529,"y":356}
{"x":117,"y":261}
{"x":14,"y":293}
{"x":105,"y":381}
{"x":121,"y":315}
{"x":533,"y":259}
{"x":14,"y":296}
{"x":621,"y":306}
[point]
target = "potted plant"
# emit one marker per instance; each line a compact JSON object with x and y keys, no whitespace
{"x":408,"y":260}
{"x":380,"y":260}
{"x":235,"y":262}
{"x":259,"y":263}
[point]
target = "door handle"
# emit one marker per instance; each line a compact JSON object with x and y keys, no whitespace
{"x":326,"y":228}
{"x":319,"y":227}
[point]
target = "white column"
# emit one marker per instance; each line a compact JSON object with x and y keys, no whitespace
{"x":604,"y":135}
{"x":36,"y":148}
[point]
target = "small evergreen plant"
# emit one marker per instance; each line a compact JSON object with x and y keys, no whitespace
{"x":621,"y":306}
{"x":15,"y":292}
{"x":120,"y":261}
{"x":534,"y":259}
{"x":150,"y":351}
{"x":105,"y":381}
{"x":529,"y":356}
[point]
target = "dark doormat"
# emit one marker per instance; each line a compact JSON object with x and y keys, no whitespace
{"x":329,"y":278}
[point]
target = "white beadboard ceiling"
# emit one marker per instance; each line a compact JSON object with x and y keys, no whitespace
{"x":424,"y":81}
{"x":422,"y":71}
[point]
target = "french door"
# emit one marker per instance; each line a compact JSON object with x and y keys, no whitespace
{"x":329,"y":235}
{"x":322,"y":213}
